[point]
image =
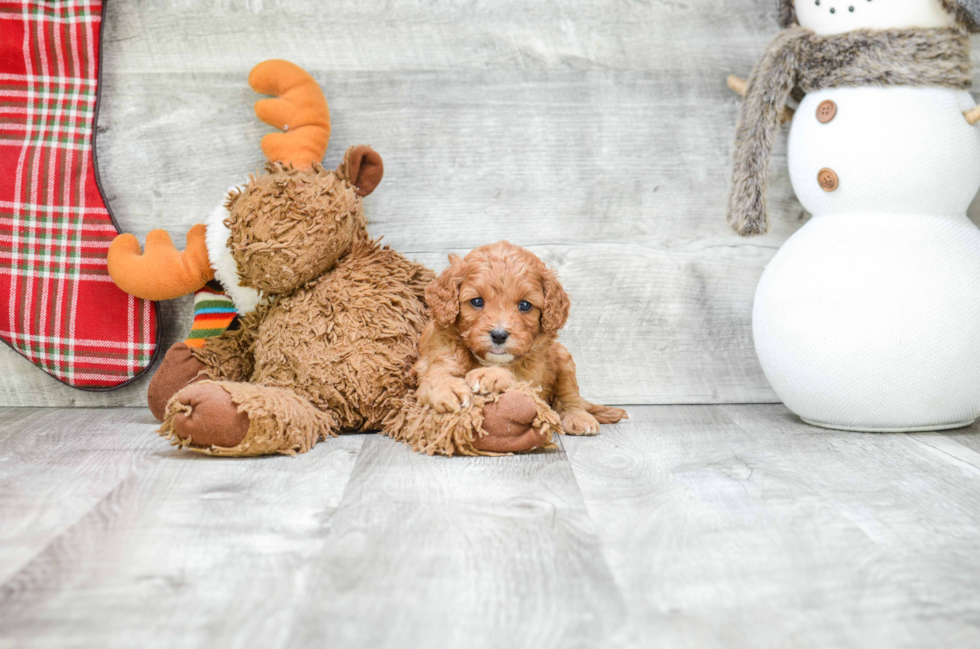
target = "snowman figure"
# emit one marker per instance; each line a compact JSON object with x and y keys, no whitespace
{"x":868,"y":318}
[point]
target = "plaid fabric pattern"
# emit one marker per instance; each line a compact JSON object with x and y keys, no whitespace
{"x":58,"y":305}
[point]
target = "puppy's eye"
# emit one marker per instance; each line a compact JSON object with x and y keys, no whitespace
{"x":524,"y":306}
{"x":477,"y":303}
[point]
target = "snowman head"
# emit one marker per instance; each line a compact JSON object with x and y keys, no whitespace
{"x":826,"y":17}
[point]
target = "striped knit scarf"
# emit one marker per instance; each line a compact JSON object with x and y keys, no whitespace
{"x":214,"y":313}
{"x":798,"y":61}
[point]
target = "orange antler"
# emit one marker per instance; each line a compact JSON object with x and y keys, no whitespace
{"x":299,"y":110}
{"x":161,"y":272}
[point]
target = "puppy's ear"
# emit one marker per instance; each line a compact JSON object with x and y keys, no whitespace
{"x":556,"y":303}
{"x":442,"y":295}
{"x":363,"y":169}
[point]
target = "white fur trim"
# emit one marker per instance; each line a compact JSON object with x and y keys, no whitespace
{"x":224,"y":265}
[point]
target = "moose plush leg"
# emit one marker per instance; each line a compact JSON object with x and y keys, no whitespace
{"x":223,"y":357}
{"x":509,"y":425}
{"x":178,"y":369}
{"x":513,"y":421}
{"x":242,"y":419}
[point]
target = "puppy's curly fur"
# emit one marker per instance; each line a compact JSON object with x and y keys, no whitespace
{"x":495,"y":320}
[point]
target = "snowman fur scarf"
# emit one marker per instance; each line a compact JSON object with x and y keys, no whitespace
{"x":799,"y":61}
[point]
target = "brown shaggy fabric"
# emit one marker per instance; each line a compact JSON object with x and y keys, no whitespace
{"x":346,"y":341}
{"x":330,"y":346}
{"x":454,"y":433}
{"x":280,"y":421}
{"x":229,"y":357}
{"x":798,"y":61}
{"x":290,"y":226}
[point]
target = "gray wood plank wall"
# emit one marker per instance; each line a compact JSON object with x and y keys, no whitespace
{"x":596,"y":133}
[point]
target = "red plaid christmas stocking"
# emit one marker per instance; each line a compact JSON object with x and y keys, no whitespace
{"x":58,"y":305}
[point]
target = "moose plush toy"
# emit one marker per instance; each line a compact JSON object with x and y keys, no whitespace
{"x":328,"y":321}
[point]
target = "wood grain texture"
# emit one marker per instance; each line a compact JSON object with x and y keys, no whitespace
{"x":740,"y":526}
{"x":441,"y":35}
{"x":686,"y":526}
{"x":397,"y":550}
{"x":598,"y":134}
{"x":460,"y":552}
{"x":56,"y":466}
{"x":111,"y":538}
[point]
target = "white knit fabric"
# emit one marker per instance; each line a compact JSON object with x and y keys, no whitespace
{"x":868,"y":318}
{"x":895,"y":150}
{"x":872,"y":321}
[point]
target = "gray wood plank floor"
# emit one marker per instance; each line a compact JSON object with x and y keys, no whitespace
{"x":687,"y":526}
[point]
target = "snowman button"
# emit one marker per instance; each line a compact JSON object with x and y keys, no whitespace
{"x":827,"y":179}
{"x":826,"y":111}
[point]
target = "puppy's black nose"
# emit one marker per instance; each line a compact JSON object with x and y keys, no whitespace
{"x":499,"y":336}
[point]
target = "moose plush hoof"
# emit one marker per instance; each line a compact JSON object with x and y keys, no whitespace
{"x":178,"y":369}
{"x":206,"y":416}
{"x":509,"y":424}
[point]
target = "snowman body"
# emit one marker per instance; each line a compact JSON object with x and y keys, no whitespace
{"x":868,"y":318}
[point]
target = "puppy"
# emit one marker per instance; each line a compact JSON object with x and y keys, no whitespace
{"x":495,"y":320}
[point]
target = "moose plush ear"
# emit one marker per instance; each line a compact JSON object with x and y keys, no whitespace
{"x":364,"y":169}
{"x":556,"y":303}
{"x":442,"y":295}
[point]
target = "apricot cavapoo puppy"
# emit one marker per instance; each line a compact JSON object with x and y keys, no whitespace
{"x":495,"y":320}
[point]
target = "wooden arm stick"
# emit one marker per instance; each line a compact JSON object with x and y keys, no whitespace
{"x":740,"y":87}
{"x":972,"y":116}
{"x":737,"y":84}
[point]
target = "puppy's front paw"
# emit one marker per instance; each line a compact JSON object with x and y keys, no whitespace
{"x":485,"y":380}
{"x":446,"y":395}
{"x":579,"y":422}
